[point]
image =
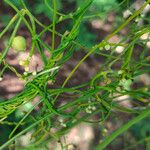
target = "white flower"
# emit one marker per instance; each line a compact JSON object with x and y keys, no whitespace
{"x":60,"y":120}
{"x":137,"y":19}
{"x":1,"y":78}
{"x":21,"y":63}
{"x":127,"y":13}
{"x":101,"y":48}
{"x":25,"y":73}
{"x":120,"y":71}
{"x":93,"y":108}
{"x":88,"y":111}
{"x":119,"y":49}
{"x":26,"y":69}
{"x":89,"y":107}
{"x":34,"y":73}
{"x":107,"y":47}
{"x":63,"y":124}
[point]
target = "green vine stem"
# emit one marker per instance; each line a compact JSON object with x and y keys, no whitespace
{"x":122,"y":129}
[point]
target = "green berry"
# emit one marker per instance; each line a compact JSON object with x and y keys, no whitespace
{"x":19,"y":43}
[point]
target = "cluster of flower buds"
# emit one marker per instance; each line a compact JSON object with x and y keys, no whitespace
{"x":90,"y":108}
{"x":107,"y":47}
{"x":25,"y":63}
{"x":62,"y":123}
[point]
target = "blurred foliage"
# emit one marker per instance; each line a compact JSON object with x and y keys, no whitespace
{"x":40,"y":8}
{"x":98,"y":9}
{"x":5,"y":19}
{"x":141,"y":129}
{"x":102,"y":5}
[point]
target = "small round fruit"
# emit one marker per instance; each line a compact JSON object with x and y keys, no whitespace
{"x":19,"y":43}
